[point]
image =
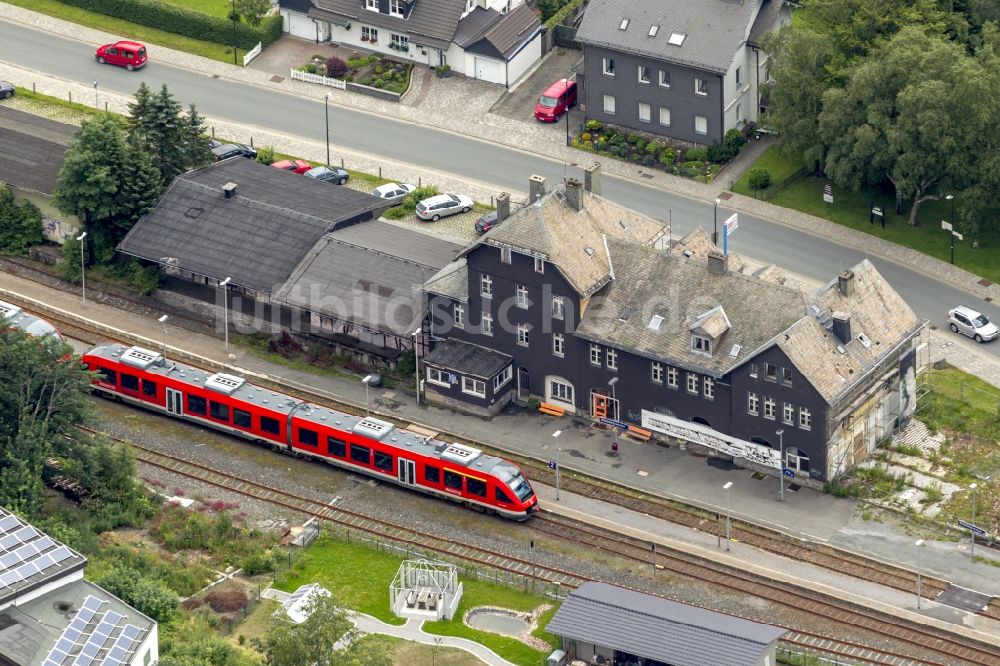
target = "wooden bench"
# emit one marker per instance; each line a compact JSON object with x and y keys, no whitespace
{"x":552,"y":410}
{"x":411,"y":599}
{"x":640,"y":434}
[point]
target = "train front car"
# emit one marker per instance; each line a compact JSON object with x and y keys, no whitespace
{"x":34,"y":326}
{"x":516,"y":483}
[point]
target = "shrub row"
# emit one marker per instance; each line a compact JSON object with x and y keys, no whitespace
{"x":565,"y":11}
{"x":184,"y":21}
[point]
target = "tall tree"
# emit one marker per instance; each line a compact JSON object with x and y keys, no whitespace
{"x":20,"y":223}
{"x":174,"y":140}
{"x":253,"y":11}
{"x":197,"y":152}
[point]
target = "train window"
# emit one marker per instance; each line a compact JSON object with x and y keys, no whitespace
{"x":452,"y":480}
{"x":109,"y":376}
{"x":501,"y":496}
{"x":336,"y":447}
{"x":149,"y":388}
{"x":241,"y":418}
{"x":360,"y":454}
{"x":217,"y":410}
{"x":267,"y":424}
{"x":308,"y":437}
{"x":475,"y":487}
{"x":130,"y":382}
{"x":432,"y":474}
{"x":383,"y":461}
{"x":197,"y":405}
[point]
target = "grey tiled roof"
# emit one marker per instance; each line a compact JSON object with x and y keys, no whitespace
{"x":490,"y":33}
{"x":256,"y":237}
{"x":772,"y":12}
{"x":574,"y":241}
{"x":714,"y":29}
{"x":697,"y":244}
{"x":876,"y":311}
{"x":681,"y":291}
{"x":655,"y":628}
{"x":32,"y":150}
{"x":451,"y":281}
{"x":430,"y":22}
{"x":469,"y":359}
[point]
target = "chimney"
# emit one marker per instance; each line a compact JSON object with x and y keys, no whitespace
{"x":574,"y":194}
{"x":503,"y":206}
{"x":229,"y":190}
{"x":536,"y":188}
{"x":718,"y":263}
{"x":846,"y":283}
{"x":592,"y":178}
{"x":842,"y":327}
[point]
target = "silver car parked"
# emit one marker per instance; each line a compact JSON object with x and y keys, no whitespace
{"x":393,"y":193}
{"x":968,"y":322}
{"x":443,"y":205}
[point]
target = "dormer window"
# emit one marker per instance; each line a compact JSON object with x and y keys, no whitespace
{"x":372,"y":5}
{"x":396,"y":7}
{"x":700,"y":343}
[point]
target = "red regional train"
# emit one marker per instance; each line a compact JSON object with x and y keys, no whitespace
{"x":30,"y":324}
{"x":368,"y":445}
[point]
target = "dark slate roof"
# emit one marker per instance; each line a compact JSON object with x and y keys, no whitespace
{"x":771,"y":15}
{"x":296,"y":5}
{"x":466,"y":358}
{"x":32,"y":150}
{"x":656,"y":628}
{"x":490,"y":33}
{"x":714,"y":29}
{"x":430,"y":22}
{"x":257,"y":237}
{"x":369,"y":274}
{"x":471,"y":28}
{"x":451,"y":281}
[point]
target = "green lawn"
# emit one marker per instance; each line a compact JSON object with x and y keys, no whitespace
{"x":132,"y":30}
{"x":212,"y":7}
{"x":851,"y":209}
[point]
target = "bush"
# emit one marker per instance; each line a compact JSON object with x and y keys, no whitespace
{"x":20,"y":223}
{"x":758,"y":178}
{"x":734,"y":137}
{"x":693,"y":154}
{"x":378,"y":83}
{"x":588,"y":145}
{"x":632,"y":138}
{"x":640,"y":144}
{"x":616,"y":139}
{"x":379,"y":69}
{"x":694,"y":164}
{"x":648,"y":160}
{"x":265,"y":155}
{"x":668,"y":156}
{"x":723,"y":153}
{"x":311,"y":68}
{"x":620,"y":150}
{"x":257,"y":563}
{"x":610,"y":132}
{"x":594,"y":126}
{"x":335,"y":67}
{"x":654,"y":147}
{"x":586,"y":136}
{"x":533,"y":403}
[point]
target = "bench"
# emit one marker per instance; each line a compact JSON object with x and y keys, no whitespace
{"x":552,"y":410}
{"x":637,"y":433}
{"x":411,"y":599}
{"x":422,"y":599}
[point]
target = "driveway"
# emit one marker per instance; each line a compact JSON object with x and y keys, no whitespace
{"x":288,"y":52}
{"x":519,"y":103}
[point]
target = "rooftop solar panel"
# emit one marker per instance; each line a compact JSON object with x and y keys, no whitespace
{"x":131,"y":631}
{"x":92,"y":603}
{"x":9,"y":522}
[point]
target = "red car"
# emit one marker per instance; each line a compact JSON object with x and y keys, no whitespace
{"x":130,"y":55}
{"x":295,"y":166}
{"x":556,"y":100}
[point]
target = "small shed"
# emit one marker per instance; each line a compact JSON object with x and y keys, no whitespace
{"x":425,"y":589}
{"x":297,"y":604}
{"x":603,"y":624}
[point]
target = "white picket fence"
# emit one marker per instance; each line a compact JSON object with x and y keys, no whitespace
{"x":252,"y":53}
{"x":316,"y":78}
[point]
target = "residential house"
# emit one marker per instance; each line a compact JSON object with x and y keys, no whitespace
{"x":491,"y":40}
{"x":579,"y":302}
{"x":685,"y":69}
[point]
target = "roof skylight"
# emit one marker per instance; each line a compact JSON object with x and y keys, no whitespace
{"x":676,"y":38}
{"x":653,"y":29}
{"x":624,"y":25}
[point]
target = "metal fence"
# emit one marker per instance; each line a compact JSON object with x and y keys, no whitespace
{"x":795,"y":658}
{"x":316,"y":78}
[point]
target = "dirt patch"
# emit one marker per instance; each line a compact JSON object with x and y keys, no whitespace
{"x":226,"y":598}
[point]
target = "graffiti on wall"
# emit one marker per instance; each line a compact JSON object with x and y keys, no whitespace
{"x":694,"y":432}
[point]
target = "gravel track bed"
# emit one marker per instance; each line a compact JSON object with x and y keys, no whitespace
{"x":362,"y":494}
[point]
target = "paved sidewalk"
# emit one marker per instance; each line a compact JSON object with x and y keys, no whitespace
{"x":413,"y":630}
{"x":479,"y":123}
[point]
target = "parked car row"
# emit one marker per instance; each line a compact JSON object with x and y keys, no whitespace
{"x":6,"y":89}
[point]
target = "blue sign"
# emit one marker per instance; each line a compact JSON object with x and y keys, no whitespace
{"x":972,"y":528}
{"x":787,"y":472}
{"x":552,"y":464}
{"x":621,"y":425}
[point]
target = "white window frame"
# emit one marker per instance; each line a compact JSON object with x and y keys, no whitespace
{"x":566,"y":396}
{"x":371,"y":5}
{"x":644,"y":69}
{"x":608,"y":66}
{"x":643,"y":106}
{"x":701,"y":87}
{"x":595,"y":355}
{"x":769,"y":409}
{"x":522,"y":334}
{"x":521,"y":296}
{"x":701,"y":344}
{"x":609,"y":109}
{"x":503,"y":378}
{"x":662,"y":110}
{"x":664,"y":78}
{"x":788,"y":413}
{"x":559,"y":345}
{"x":753,"y":404}
{"x":805,"y":418}
{"x":692,"y":383}
{"x":485,"y":286}
{"x":753,"y":370}
{"x":700,"y":121}
{"x":770,"y":372}
{"x":708,"y":388}
{"x":458,"y":315}
{"x":487,"y":324}
{"x":786,"y":376}
{"x":539,"y":265}
{"x":370,"y":33}
{"x":505,"y":255}
{"x":611,"y":358}
{"x":475,"y":384}
{"x":558,"y":307}
{"x":395,"y":8}
{"x":671,"y":376}
{"x":437,"y":376}
{"x":656,"y":372}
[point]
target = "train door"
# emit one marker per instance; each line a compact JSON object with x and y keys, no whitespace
{"x":174,"y":402}
{"x":407,"y":471}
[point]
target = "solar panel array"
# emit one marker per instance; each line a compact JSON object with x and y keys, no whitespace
{"x":97,"y":635}
{"x":25,"y":552}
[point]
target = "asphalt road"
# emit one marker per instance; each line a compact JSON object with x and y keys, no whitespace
{"x":794,"y":250}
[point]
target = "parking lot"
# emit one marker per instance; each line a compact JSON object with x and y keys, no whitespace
{"x":519,"y":103}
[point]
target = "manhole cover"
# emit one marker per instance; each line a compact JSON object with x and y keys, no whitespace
{"x":277,"y":79}
{"x":988,"y":299}
{"x":984,"y":283}
{"x":758,"y":476}
{"x":215,"y":76}
{"x":645,"y":175}
{"x":794,"y":487}
{"x":725,"y":196}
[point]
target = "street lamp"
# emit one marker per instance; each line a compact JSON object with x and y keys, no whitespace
{"x":225,"y":309}
{"x":555,"y":436}
{"x":972,"y":533}
{"x":235,"y":17}
{"x":781,"y":463}
{"x":83,"y":267}
{"x":367,"y":379}
{"x":614,"y":429}
{"x":729,"y":484}
{"x":326,"y":109}
{"x":951,"y":200}
{"x":715,"y":227}
{"x":919,"y":544}
{"x":416,"y":363}
{"x":163,"y":325}
{"x":96,"y":102}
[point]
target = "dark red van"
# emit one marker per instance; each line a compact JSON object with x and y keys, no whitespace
{"x":556,"y":100}
{"x":130,"y":55}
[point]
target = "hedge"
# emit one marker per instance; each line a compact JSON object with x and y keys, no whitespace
{"x":184,"y":21}
{"x":558,"y":17}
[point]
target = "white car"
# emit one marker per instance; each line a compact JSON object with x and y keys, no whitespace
{"x":393,"y":193}
{"x":443,"y":205}
{"x":971,"y":323}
